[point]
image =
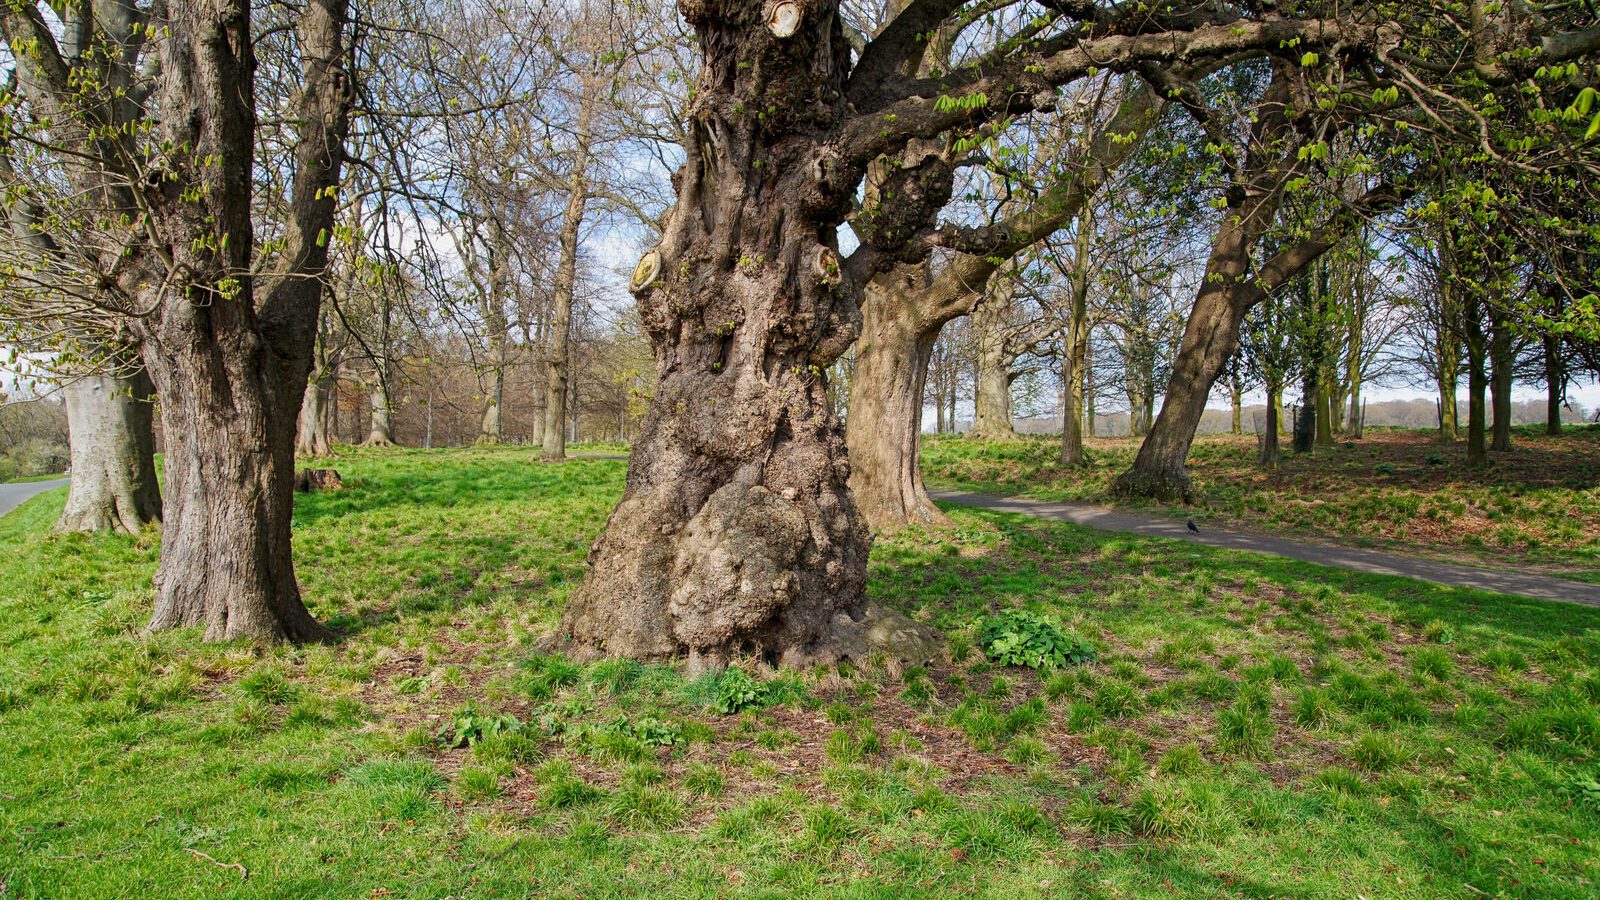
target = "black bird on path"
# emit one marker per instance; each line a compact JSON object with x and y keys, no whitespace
{"x":1192,"y":527}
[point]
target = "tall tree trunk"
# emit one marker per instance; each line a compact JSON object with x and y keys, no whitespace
{"x":1555,"y":381}
{"x":1089,"y":392}
{"x":1357,"y":415}
{"x":1236,"y":395}
{"x":1477,"y":387}
{"x":737,"y":531}
{"x":558,"y":351}
{"x":1305,"y":420}
{"x":884,"y":436}
{"x":1448,"y":360}
{"x":1076,"y":341}
{"x":991,"y":419}
{"x":378,"y":429}
{"x":1271,"y":454}
{"x":1325,"y":404}
{"x":1139,"y":402}
{"x":1211,"y":335}
{"x":311,"y":433}
{"x":1500,"y":361}
{"x":110,"y":420}
{"x":489,"y":427}
{"x":230,"y":374}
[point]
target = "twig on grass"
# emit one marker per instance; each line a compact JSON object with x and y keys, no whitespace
{"x":243,"y":872}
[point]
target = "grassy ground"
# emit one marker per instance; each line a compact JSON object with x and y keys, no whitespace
{"x":1537,"y":507}
{"x":26,"y":479}
{"x":1250,"y":726}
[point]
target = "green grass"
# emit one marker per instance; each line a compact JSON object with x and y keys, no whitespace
{"x":28,"y":479}
{"x":1535,"y":507}
{"x":1249,"y":725}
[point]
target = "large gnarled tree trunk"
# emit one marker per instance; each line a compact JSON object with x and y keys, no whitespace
{"x":110,"y":418}
{"x":737,"y":532}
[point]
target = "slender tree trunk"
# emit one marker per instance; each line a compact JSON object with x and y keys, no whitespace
{"x":1076,"y":340}
{"x":558,"y":352}
{"x":1305,"y":421}
{"x":884,"y":436}
{"x":1275,"y":408}
{"x":1089,"y":392}
{"x":1477,"y":387}
{"x":1357,"y":413}
{"x":1270,"y":451}
{"x":110,"y":419}
{"x":1236,"y":394}
{"x":1555,"y":380}
{"x":1500,"y":361}
{"x":1449,"y":364}
{"x":938,"y":415}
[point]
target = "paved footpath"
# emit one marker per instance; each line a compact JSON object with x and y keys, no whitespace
{"x":1521,"y":584}
{"x":12,"y":495}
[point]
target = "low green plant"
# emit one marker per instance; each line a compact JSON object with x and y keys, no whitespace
{"x":1022,"y":638}
{"x":470,"y":725}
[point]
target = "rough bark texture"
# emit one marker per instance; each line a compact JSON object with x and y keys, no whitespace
{"x":231,"y":374}
{"x":110,"y":418}
{"x":886,"y":393}
{"x":737,"y":532}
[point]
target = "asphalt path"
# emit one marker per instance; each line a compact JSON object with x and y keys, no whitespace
{"x":1502,"y":581}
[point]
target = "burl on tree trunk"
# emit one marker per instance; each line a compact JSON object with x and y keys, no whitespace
{"x":737,"y":533}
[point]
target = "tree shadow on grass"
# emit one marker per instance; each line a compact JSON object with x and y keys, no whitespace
{"x":421,"y":480}
{"x":1083,"y":570}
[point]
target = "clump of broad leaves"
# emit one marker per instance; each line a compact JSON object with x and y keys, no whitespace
{"x":1021,"y":638}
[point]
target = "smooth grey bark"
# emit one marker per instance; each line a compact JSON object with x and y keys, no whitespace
{"x":111,"y":422}
{"x":884,"y":433}
{"x":311,"y":432}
